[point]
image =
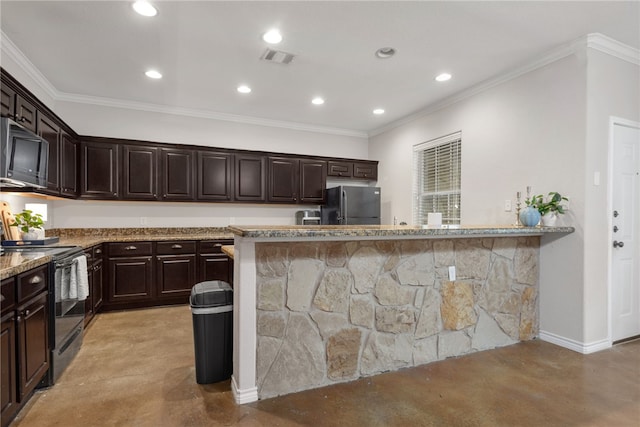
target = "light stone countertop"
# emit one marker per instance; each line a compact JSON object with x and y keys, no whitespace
{"x":12,"y":263}
{"x":390,"y":231}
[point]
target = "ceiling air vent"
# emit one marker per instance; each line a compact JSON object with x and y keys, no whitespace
{"x":277,"y":56}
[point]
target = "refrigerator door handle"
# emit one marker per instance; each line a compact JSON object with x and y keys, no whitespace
{"x":344,"y":208}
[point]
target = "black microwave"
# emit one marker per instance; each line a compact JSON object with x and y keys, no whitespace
{"x":24,"y":156}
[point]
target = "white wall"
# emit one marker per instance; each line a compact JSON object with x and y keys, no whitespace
{"x":613,"y":90}
{"x":526,"y":131}
{"x":126,"y":123}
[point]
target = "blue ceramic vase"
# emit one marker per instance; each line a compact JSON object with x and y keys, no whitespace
{"x":529,"y":216}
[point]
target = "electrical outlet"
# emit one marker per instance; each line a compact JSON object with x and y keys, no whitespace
{"x":452,"y":273}
{"x":143,"y":220}
{"x":507,"y":205}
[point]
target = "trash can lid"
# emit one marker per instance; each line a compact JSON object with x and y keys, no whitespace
{"x":211,"y":294}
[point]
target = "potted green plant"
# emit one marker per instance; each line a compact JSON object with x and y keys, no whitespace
{"x":549,"y":207}
{"x":28,"y":223}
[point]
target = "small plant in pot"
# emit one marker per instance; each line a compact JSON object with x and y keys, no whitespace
{"x":28,"y":223}
{"x":549,"y":207}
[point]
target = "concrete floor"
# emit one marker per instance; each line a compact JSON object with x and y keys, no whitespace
{"x":136,"y":368}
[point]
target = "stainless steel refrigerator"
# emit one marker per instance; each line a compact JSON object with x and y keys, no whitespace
{"x":348,"y":205}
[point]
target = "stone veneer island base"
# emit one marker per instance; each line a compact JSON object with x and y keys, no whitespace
{"x":331,"y":308}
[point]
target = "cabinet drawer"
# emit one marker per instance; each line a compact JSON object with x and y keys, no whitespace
{"x":8,"y":291}
{"x":344,"y":169}
{"x":213,"y":246}
{"x":32,"y":282}
{"x":177,"y":247}
{"x":130,"y":249}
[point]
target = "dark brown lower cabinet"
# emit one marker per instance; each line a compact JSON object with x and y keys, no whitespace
{"x":130,"y":279}
{"x":159,"y":273}
{"x":94,"y":273}
{"x":9,"y":391}
{"x":33,"y":343}
{"x":24,"y":339}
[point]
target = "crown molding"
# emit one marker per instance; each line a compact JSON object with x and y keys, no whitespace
{"x":8,"y":48}
{"x":11,"y":50}
{"x":595,"y":41}
{"x":613,"y":47}
{"x":205,"y":114}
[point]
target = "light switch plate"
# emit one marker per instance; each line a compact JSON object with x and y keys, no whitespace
{"x":452,"y":273}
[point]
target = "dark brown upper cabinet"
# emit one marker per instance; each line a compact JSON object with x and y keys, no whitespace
{"x":50,"y":131}
{"x":139,"y":173}
{"x":340,"y":169}
{"x":177,"y":174}
{"x":283,"y":179}
{"x":68,"y":166}
{"x":353,"y":169}
{"x":365,"y":170}
{"x":99,"y":170}
{"x":250,"y":178}
{"x":18,"y":108}
{"x":313,"y":181}
{"x":26,"y":114}
{"x":215,"y":176}
{"x":296,"y":180}
{"x":7,"y":101}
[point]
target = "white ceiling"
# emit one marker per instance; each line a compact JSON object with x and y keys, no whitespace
{"x":100,"y":49}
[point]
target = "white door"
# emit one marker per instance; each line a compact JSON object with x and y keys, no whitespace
{"x":625,"y":295}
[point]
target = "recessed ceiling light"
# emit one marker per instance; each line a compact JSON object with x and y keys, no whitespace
{"x":144,"y":8}
{"x":443,"y":77}
{"x":317,"y":101}
{"x":378,"y":111}
{"x":272,"y":36}
{"x":244,"y":89}
{"x":385,"y":52}
{"x":153,"y":74}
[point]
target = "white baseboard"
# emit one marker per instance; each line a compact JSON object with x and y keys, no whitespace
{"x":580,"y":347}
{"x":243,"y":396}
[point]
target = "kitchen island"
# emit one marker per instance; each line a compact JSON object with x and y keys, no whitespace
{"x":316,"y":305}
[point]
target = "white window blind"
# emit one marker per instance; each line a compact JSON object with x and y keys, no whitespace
{"x":437,"y":179}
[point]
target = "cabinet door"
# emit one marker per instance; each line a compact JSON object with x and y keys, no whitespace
{"x":8,"y":393}
{"x":250,"y":178}
{"x":99,"y":176}
{"x":340,"y":169}
{"x":26,"y":114}
{"x":7,"y":101}
{"x":214,"y":267}
{"x":283,"y":180}
{"x":365,"y":170}
{"x":68,"y":166}
{"x":139,"y":173}
{"x":215,"y":176}
{"x":50,"y":131}
{"x":177,"y":175}
{"x":130,"y":279}
{"x":176,"y":275}
{"x":313,"y":181}
{"x":33,"y":343}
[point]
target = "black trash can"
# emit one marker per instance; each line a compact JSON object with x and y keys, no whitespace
{"x":212,"y":313}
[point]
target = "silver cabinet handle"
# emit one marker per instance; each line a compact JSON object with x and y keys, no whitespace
{"x":27,"y":312}
{"x":176,"y":246}
{"x":217,"y":245}
{"x":35,"y":280}
{"x":130,"y":248}
{"x":98,"y":251}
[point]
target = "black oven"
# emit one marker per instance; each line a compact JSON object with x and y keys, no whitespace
{"x":66,"y":312}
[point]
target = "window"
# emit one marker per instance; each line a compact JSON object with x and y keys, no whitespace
{"x":437,"y":179}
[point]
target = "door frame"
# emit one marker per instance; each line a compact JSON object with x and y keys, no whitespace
{"x":613,"y":121}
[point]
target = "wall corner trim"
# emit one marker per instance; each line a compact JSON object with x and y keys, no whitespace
{"x":580,"y":347}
